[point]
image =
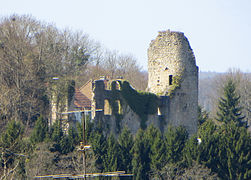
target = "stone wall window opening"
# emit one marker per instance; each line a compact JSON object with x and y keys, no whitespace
{"x":107,"y":108}
{"x":118,"y":86}
{"x":170,"y":79}
{"x":120,"y":109}
{"x":159,"y":112}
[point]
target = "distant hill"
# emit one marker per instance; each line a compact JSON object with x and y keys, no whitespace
{"x":208,"y":75}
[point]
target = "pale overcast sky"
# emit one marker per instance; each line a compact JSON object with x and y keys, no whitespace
{"x":219,"y":31}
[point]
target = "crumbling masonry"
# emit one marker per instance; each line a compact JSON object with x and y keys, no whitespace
{"x":172,"y":80}
{"x":173,"y":72}
{"x":173,"y":76}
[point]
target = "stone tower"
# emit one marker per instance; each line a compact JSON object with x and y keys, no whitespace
{"x":173,"y":72}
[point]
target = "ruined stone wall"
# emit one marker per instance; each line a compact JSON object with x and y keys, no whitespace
{"x":98,"y":100}
{"x":169,"y":54}
{"x":173,"y":75}
{"x":173,"y":72}
{"x":109,"y":122}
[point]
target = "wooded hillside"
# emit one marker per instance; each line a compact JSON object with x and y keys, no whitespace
{"x":33,"y":52}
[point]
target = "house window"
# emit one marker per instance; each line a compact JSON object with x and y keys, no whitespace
{"x":170,"y":79}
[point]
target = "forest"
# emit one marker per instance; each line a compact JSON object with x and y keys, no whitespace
{"x":33,"y":52}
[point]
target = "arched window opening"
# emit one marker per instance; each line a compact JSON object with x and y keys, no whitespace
{"x":159,"y":112}
{"x":119,"y":107}
{"x":107,"y":108}
{"x":118,"y":86}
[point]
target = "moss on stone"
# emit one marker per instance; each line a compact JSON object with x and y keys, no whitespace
{"x":142,"y":103}
{"x":116,"y":110}
{"x":176,"y":84}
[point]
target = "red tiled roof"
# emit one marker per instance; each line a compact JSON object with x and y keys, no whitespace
{"x":81,"y":100}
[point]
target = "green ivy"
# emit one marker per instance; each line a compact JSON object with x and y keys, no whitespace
{"x":142,"y":103}
{"x":114,"y":105}
{"x":175,"y":85}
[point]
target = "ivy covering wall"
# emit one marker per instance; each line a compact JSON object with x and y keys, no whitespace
{"x":175,"y":85}
{"x":142,"y":103}
{"x":116,"y":107}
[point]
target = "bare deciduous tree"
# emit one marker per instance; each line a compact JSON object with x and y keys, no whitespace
{"x":31,"y":53}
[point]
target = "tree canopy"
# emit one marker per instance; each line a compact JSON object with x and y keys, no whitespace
{"x":228,"y":109}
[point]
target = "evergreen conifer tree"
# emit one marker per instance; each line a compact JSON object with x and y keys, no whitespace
{"x":191,"y":151}
{"x":57,"y":131}
{"x":40,"y":130}
{"x":141,"y":159}
{"x":228,"y":108}
{"x":89,"y":128}
{"x":65,"y":144}
{"x":202,"y":116}
{"x":157,"y":148}
{"x":112,"y":157}
{"x":234,"y":147}
{"x":225,"y":150}
{"x":80,"y":131}
{"x":175,"y":142}
{"x":99,"y":146}
{"x":209,"y":148}
{"x":57,"y":136}
{"x":125,"y":141}
{"x":73,"y":136}
{"x":12,"y":136}
{"x":10,"y":143}
{"x":88,"y":131}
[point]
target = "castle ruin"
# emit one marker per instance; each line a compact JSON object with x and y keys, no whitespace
{"x":172,"y":72}
{"x":172,"y":97}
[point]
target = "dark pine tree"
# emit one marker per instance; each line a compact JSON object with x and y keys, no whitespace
{"x":141,"y":159}
{"x":112,"y":157}
{"x":191,"y":151}
{"x":225,"y":150}
{"x":57,"y":132}
{"x":228,"y":107}
{"x":10,"y":142}
{"x":157,"y":148}
{"x":175,"y":142}
{"x":125,"y":141}
{"x":12,"y":137}
{"x":65,"y":144}
{"x":56,"y":136}
{"x":40,"y":130}
{"x":234,"y":147}
{"x":73,"y":136}
{"x":202,"y":115}
{"x":99,"y":146}
{"x":208,"y":149}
